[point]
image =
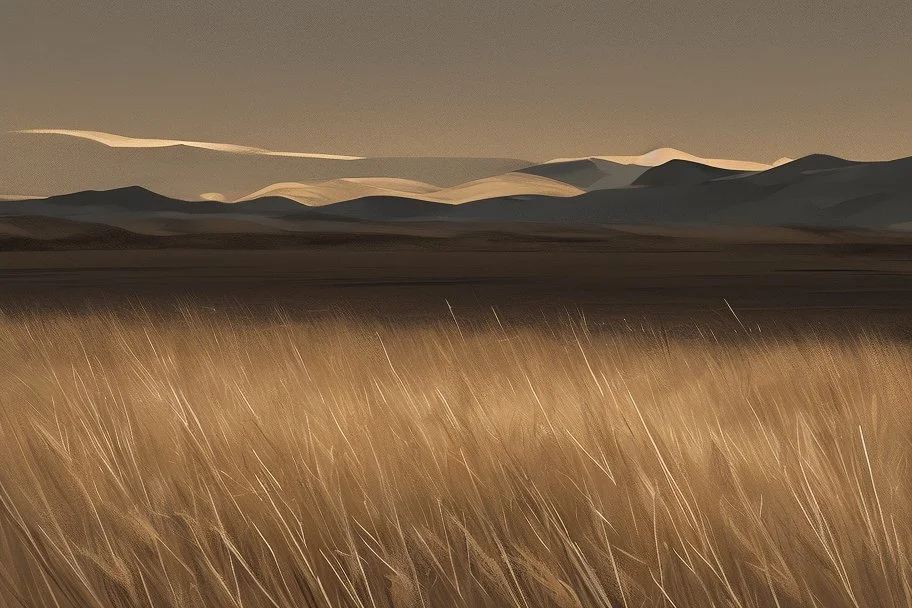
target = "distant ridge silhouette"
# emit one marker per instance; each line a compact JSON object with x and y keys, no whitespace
{"x":682,"y":173}
{"x":660,"y":156}
{"x":588,"y":173}
{"x":817,"y":190}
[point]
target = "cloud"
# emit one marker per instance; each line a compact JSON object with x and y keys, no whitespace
{"x":120,"y":141}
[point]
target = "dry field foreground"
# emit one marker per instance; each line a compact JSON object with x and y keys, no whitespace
{"x":208,"y":460}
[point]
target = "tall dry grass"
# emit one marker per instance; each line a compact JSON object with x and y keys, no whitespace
{"x":211,"y":460}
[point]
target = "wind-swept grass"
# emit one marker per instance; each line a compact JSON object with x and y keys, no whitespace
{"x":209,"y":460}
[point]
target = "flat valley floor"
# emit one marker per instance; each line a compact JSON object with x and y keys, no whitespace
{"x":680,"y":281}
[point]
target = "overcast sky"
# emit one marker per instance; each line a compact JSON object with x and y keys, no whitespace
{"x":520,"y":78}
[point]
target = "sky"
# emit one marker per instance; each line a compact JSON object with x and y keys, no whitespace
{"x":517,"y":78}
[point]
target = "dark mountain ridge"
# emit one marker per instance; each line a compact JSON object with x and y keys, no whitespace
{"x":814,"y":191}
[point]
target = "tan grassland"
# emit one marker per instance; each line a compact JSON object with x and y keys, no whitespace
{"x":206,"y":459}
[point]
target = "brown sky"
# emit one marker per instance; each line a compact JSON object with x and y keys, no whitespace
{"x":522,"y":78}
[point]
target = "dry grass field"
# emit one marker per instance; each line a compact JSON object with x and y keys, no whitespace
{"x":208,"y":459}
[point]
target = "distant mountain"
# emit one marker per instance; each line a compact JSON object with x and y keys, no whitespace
{"x":682,"y":173}
{"x":135,"y":201}
{"x":661,"y":167}
{"x":813,"y":191}
{"x":821,"y":192}
{"x":661,"y":156}
{"x":588,"y":173}
{"x":132,"y":198}
{"x":817,"y":192}
{"x":789,"y":172}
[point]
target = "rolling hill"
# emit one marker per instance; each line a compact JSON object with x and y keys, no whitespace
{"x":588,"y":173}
{"x":344,"y":189}
{"x":682,"y":173}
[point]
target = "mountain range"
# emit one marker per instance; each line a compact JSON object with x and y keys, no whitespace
{"x":141,"y":186}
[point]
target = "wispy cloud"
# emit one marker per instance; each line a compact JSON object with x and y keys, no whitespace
{"x":121,"y":141}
